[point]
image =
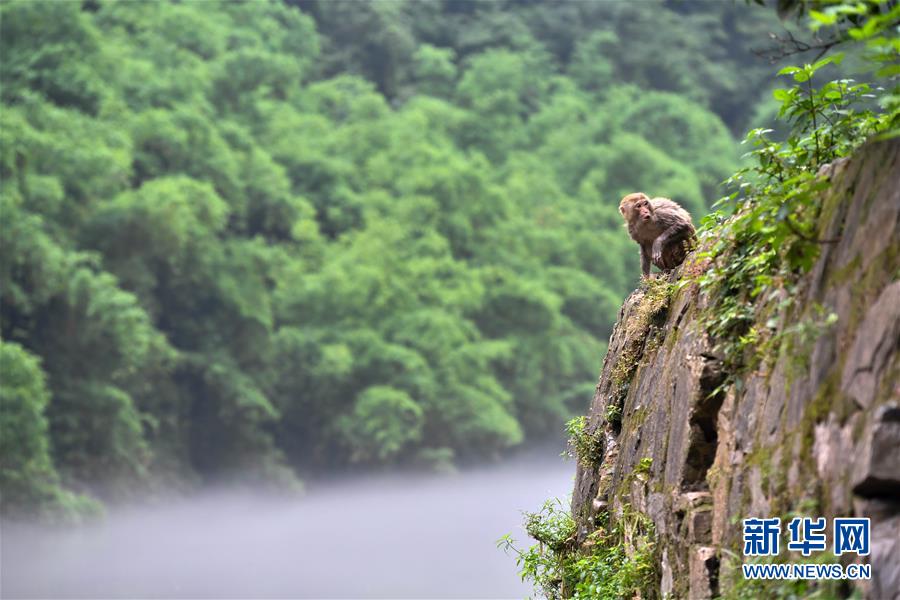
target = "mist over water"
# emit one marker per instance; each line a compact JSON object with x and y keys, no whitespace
{"x":411,"y":536}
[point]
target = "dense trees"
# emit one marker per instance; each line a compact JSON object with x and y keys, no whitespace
{"x":265,"y":239}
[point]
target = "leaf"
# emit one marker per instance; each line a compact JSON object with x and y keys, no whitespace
{"x":823,"y":18}
{"x":781,"y":95}
{"x":821,"y":63}
{"x":888,"y":71}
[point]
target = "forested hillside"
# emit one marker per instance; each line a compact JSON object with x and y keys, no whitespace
{"x":269,"y":239}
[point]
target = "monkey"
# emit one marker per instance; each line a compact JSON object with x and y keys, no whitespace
{"x":661,"y":227}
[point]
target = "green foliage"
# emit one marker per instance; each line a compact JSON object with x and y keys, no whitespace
{"x":584,"y":446}
{"x":771,"y":235}
{"x":639,"y":164}
{"x":592,"y":65}
{"x":28,"y":478}
{"x":384,"y":420}
{"x":27,"y":472}
{"x":684,"y":129}
{"x":614,"y":414}
{"x":616,"y":561}
{"x":870,"y":21}
{"x":247,"y":240}
{"x":643,"y":466}
{"x":545,"y":564}
{"x":56,"y":53}
{"x":435,"y":70}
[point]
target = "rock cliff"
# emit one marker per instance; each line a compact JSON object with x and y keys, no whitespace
{"x":814,"y":431}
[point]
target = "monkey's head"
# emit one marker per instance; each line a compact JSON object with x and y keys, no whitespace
{"x":636,"y":207}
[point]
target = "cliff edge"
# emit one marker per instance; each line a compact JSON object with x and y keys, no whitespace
{"x":812,"y":431}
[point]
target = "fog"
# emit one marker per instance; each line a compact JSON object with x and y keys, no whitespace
{"x":377,"y":537}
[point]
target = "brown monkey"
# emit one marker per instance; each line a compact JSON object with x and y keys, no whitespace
{"x":661,"y":227}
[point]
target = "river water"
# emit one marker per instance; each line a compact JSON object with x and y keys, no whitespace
{"x":374,"y":537}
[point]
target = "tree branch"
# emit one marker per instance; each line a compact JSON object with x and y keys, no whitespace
{"x":788,"y":45}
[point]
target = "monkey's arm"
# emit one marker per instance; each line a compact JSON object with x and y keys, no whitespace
{"x":645,"y":261}
{"x":676,"y":232}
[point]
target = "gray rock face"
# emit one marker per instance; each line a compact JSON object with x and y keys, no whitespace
{"x":875,"y":342}
{"x":815,"y":432}
{"x":885,"y":549}
{"x":878,"y":469}
{"x":704,"y":573}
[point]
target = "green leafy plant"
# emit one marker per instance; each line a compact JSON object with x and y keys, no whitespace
{"x":546,"y":562}
{"x":583,"y":445}
{"x":643,"y":467}
{"x":615,"y":561}
{"x":869,"y":21}
{"x":766,"y":234}
{"x":614,"y":413}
